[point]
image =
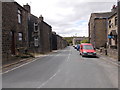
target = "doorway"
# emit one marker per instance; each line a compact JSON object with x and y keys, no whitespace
{"x":13,"y":42}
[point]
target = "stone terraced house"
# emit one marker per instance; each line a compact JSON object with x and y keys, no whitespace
{"x":24,"y":33}
{"x":14,"y":30}
{"x":39,"y":33}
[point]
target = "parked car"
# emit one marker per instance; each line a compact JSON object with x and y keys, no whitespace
{"x":75,"y":46}
{"x":86,"y":49}
{"x":78,"y":47}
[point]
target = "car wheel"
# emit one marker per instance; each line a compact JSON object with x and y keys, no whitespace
{"x":80,"y":53}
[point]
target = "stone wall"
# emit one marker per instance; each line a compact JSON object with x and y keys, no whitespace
{"x":61,"y":43}
{"x":113,"y":53}
{"x":100,"y":32}
{"x":58,"y":42}
{"x":0,"y":35}
{"x":54,"y":41}
{"x":46,"y":37}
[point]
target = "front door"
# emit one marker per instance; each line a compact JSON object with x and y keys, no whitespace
{"x":13,"y":42}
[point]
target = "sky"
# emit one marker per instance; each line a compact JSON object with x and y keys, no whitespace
{"x":68,"y":17}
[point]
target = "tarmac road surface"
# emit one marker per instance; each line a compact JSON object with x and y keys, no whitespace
{"x":63,"y":69}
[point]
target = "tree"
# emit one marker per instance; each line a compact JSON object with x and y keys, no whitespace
{"x":85,"y":41}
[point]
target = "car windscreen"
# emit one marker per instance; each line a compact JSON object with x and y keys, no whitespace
{"x":88,"y":47}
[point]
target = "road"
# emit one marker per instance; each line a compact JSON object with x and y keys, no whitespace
{"x":63,"y":69}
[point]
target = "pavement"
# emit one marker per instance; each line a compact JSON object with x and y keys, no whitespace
{"x":109,"y":59}
{"x":15,"y":63}
{"x":63,"y":69}
{"x":18,"y":62}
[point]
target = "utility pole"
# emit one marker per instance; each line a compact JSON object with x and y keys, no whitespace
{"x":118,"y":14}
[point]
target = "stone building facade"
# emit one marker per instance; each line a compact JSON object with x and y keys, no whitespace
{"x":14,"y":30}
{"x":64,"y":43}
{"x":112,"y":31}
{"x":54,"y":41}
{"x":61,"y":43}
{"x":33,"y":34}
{"x":78,"y":40}
{"x":46,"y":36}
{"x":112,"y":48}
{"x":58,"y":42}
{"x":39,"y":33}
{"x":98,"y":29}
{"x":103,"y":32}
{"x":24,"y":33}
{"x":0,"y":33}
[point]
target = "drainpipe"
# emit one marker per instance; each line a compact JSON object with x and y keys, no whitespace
{"x":94,"y":42}
{"x":106,"y":44}
{"x":118,"y":12}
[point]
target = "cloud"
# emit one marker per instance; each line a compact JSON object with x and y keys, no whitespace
{"x":68,"y":17}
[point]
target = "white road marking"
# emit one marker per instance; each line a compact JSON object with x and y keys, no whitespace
{"x":18,"y":67}
{"x":43,"y":84}
{"x":68,"y":58}
{"x":35,"y":60}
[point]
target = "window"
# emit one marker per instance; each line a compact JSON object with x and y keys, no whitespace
{"x":88,"y":47}
{"x":36,"y":42}
{"x":35,"y":27}
{"x":19,"y":16}
{"x":20,"y":36}
{"x":110,"y":24}
{"x":115,"y":21}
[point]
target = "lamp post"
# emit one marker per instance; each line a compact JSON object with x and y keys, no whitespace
{"x":118,"y":14}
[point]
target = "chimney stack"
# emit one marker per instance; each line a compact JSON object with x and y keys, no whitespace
{"x":41,"y":18}
{"x":114,"y":8}
{"x":27,"y":7}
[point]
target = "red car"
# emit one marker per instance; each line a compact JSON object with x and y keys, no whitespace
{"x":86,"y":49}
